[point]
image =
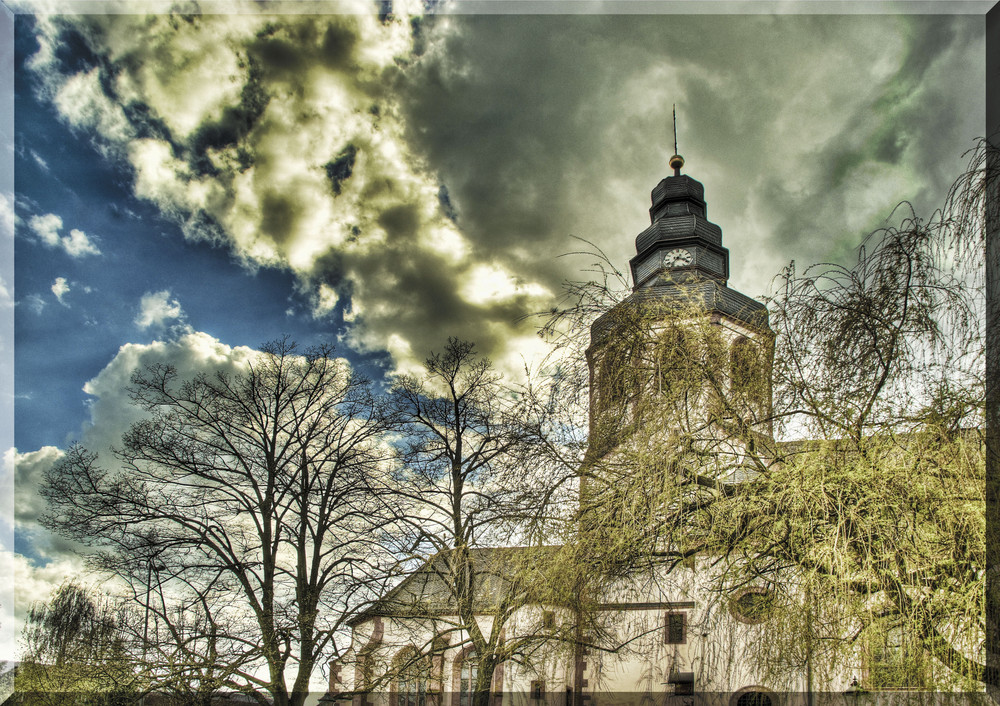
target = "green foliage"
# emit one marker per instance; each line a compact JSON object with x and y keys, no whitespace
{"x":838,"y":461}
{"x":75,"y":651}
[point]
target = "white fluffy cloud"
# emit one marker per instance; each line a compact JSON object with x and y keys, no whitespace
{"x":284,"y":139}
{"x":47,"y":228}
{"x":157,"y":308}
{"x":111,"y":410}
{"x":111,"y":413}
{"x":76,"y":244}
{"x":60,"y":288}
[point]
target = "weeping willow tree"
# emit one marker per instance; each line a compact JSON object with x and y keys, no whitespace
{"x":76,"y":649}
{"x":833,"y":461}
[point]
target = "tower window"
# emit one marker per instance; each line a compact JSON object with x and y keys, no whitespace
{"x":619,"y":379}
{"x":746,"y":370}
{"x":676,"y":368}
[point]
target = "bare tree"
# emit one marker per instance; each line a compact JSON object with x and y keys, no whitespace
{"x":241,"y":513}
{"x":482,"y":492}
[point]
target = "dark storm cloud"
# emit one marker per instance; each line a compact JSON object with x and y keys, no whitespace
{"x":430,"y":294}
{"x":541,"y":126}
{"x":905,"y":137}
{"x":506,"y":110}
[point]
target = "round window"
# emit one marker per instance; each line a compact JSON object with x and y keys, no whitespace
{"x":753,"y":605}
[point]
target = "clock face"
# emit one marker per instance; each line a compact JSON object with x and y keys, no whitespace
{"x":678,"y":257}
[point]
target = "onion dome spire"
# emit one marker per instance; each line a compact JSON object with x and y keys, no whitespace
{"x":680,"y":258}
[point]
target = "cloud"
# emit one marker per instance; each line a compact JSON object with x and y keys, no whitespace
{"x":157,"y":308}
{"x":34,"y":302}
{"x":806,"y":131}
{"x":420,"y":176}
{"x":6,"y":215}
{"x":76,"y":244}
{"x":283,"y":139}
{"x":30,"y":583}
{"x":47,"y":228}
{"x":39,"y":161}
{"x":6,"y":296}
{"x":7,"y":488}
{"x":29,"y":468}
{"x":111,"y":413}
{"x":111,"y":408}
{"x":60,"y":289}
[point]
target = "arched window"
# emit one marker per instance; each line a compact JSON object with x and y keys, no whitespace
{"x":746,"y":369}
{"x":896,"y":660}
{"x":754,"y":698}
{"x":467,"y":679}
{"x":618,"y":380}
{"x":675,"y":364}
{"x":411,"y":680}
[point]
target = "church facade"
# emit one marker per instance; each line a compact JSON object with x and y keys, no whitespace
{"x":665,"y":640}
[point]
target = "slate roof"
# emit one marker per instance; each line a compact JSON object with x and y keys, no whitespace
{"x":681,"y":227}
{"x":707,"y":294}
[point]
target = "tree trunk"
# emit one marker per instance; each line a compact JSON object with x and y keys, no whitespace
{"x":483,"y":688}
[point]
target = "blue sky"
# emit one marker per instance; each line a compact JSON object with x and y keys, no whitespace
{"x":189,"y":187}
{"x":63,"y":341}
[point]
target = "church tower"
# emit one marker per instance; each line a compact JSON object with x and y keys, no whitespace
{"x":682,"y":332}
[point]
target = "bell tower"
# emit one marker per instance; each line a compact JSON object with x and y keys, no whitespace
{"x":681,"y":315}
{"x":681,"y":246}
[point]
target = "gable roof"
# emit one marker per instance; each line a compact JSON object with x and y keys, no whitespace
{"x":428,"y":591}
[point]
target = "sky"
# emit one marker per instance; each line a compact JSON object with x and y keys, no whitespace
{"x":382,"y":176}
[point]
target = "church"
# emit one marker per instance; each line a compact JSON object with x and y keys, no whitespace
{"x":668,"y":639}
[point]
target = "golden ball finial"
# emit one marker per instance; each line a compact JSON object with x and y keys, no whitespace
{"x":676,"y":162}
